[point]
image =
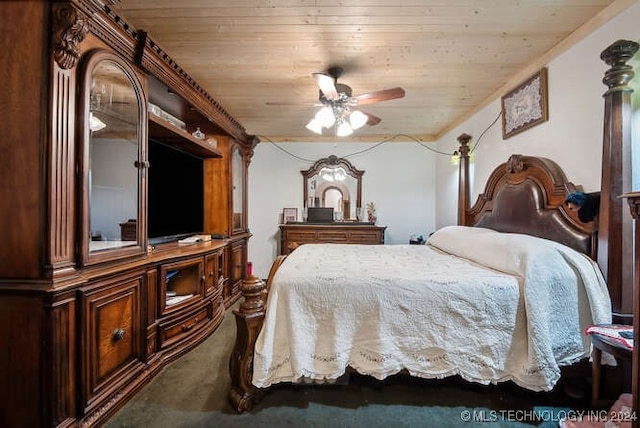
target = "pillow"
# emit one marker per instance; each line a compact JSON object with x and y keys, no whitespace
{"x":506,"y":252}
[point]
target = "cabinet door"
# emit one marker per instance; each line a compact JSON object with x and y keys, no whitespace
{"x":112,"y":335}
{"x":112,"y":160}
{"x":181,"y":284}
{"x":215,"y":277}
{"x":238,"y":261}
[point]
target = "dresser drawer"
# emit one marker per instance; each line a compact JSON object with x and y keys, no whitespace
{"x":301,"y":236}
{"x":178,"y":328}
{"x":333,"y":236}
{"x":294,"y":235}
{"x":365,"y":237}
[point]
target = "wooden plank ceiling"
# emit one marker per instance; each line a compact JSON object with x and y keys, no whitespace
{"x":255,"y":57}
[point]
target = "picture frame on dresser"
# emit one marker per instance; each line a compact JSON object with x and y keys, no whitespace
{"x":526,"y":105}
{"x":289,"y":215}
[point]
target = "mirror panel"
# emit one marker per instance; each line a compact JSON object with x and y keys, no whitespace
{"x":113,"y":155}
{"x":334,"y":182}
{"x":237,"y":177}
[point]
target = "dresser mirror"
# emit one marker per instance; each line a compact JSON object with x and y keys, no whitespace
{"x":334,"y":182}
{"x":113,"y":159}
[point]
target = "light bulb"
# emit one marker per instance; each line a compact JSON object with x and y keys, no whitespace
{"x":358,"y":119}
{"x":344,"y":129}
{"x":314,"y":126}
{"x":326,"y":174}
{"x":455,"y":158}
{"x":325,"y":117}
{"x":95,"y":124}
{"x":339,"y":174}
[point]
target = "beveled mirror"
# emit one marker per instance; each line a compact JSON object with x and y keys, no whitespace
{"x":334,"y":182}
{"x":238,"y":183}
{"x":113,"y":160}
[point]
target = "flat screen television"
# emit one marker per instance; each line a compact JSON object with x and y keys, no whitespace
{"x":175,"y":203}
{"x":319,"y":215}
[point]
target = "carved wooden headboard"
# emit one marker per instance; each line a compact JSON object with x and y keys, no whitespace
{"x":526,"y":195}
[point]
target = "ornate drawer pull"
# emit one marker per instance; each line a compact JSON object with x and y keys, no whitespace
{"x":118,"y":334}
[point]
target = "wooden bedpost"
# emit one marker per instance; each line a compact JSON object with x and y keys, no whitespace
{"x":463,"y":179}
{"x":615,"y":246}
{"x":243,"y":394}
{"x":633,"y":200}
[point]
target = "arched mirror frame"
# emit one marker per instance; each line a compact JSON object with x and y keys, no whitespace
{"x":333,"y":162}
{"x":87,"y":68}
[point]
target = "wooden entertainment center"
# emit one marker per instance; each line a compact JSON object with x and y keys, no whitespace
{"x":97,"y":291}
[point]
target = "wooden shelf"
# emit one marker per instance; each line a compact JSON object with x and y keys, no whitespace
{"x":167,"y":133}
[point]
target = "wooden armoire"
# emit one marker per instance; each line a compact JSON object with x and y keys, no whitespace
{"x":110,"y":155}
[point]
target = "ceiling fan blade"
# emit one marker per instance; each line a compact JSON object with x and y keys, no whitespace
{"x":327,"y":85}
{"x":376,"y":97}
{"x":372,"y":120}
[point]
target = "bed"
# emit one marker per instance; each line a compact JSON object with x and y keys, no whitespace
{"x":473,"y":302}
{"x":486,"y":300}
{"x":523,"y":196}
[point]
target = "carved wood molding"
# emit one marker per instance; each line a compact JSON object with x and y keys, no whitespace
{"x":515,"y":164}
{"x":547,"y":175}
{"x":333,"y":161}
{"x":248,"y":148}
{"x":158,"y":62}
{"x":616,"y":56}
{"x":634,"y":206}
{"x":70,"y":29}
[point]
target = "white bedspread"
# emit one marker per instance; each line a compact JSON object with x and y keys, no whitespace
{"x":380,"y":309}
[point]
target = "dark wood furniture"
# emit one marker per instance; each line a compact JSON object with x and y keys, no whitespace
{"x":315,"y":186}
{"x":614,"y":226}
{"x":86,"y":322}
{"x":602,"y":343}
{"x":633,"y":199}
{"x":293,"y":235}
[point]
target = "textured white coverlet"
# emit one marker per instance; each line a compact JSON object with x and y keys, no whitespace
{"x":380,"y":309}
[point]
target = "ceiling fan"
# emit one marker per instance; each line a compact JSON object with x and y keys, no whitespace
{"x":338,"y":104}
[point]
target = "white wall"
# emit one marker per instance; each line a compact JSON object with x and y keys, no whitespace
{"x":572,"y":137}
{"x":399,"y":177}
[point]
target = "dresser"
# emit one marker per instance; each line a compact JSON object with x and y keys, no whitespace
{"x":293,"y":235}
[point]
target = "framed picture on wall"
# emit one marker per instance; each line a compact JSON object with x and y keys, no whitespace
{"x":526,"y":105}
{"x":289,"y":215}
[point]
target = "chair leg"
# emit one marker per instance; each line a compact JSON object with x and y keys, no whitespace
{"x":596,"y":356}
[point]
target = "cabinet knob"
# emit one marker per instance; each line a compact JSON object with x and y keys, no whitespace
{"x":141,"y":164}
{"x":118,"y":334}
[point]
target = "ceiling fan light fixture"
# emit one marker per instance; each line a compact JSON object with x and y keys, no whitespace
{"x":325,"y":117}
{"x":95,"y":124}
{"x":357,"y":119}
{"x":333,"y":173}
{"x":314,"y":126}
{"x":344,"y":129}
